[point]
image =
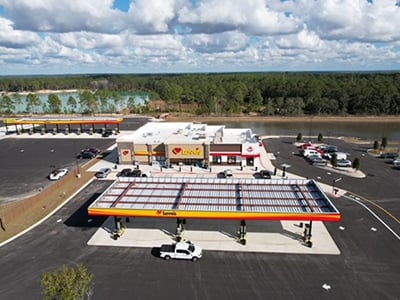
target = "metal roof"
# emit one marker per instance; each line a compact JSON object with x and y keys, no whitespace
{"x":216,"y":198}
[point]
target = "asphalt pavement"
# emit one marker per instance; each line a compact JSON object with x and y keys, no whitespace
{"x":27,"y":160}
{"x":367,"y":268}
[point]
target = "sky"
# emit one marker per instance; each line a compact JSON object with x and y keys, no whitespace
{"x":40,"y":37}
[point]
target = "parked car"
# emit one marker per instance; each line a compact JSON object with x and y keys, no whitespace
{"x":103,"y":173}
{"x":330,"y":149}
{"x":319,"y":162}
{"x":228,"y":173}
{"x":265,"y":174}
{"x":322,"y":146}
{"x":339,"y":155}
{"x":137,"y":173}
{"x":107,"y":133}
{"x":58,"y":173}
{"x":343,"y":163}
{"x":93,"y":150}
{"x":305,"y":145}
{"x":308,"y":152}
{"x":310,"y":158}
{"x":396,"y":162}
{"x":87,"y":155}
{"x":125,"y":172}
{"x":391,"y":155}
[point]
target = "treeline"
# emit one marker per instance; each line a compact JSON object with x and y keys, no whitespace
{"x":223,"y":94}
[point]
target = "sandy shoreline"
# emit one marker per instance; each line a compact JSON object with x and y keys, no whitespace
{"x":317,"y":119}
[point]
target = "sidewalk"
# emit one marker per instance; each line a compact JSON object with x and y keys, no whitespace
{"x":285,"y":238}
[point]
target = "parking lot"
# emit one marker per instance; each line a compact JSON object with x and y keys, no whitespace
{"x":367,"y":268}
{"x":26,"y":163}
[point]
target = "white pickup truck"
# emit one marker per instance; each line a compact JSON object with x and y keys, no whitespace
{"x":181,"y":250}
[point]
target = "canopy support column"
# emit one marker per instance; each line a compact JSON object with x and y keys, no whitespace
{"x":119,"y":228}
{"x":242,"y":232}
{"x":307,"y":234}
{"x":179,"y":228}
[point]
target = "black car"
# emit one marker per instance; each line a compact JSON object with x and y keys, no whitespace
{"x":136,"y":173}
{"x":265,"y":174}
{"x":107,"y":133}
{"x":87,"y":155}
{"x":92,"y":150}
{"x":125,"y":172}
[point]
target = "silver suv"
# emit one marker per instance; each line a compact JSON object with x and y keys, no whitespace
{"x":103,"y":173}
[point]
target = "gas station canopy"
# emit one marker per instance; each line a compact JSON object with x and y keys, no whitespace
{"x":215,"y":198}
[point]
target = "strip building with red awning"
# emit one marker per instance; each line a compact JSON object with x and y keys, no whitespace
{"x":186,"y":143}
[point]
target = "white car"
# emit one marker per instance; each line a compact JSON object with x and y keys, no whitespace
{"x":343,"y":163}
{"x":396,"y":161}
{"x":103,"y":173}
{"x":228,"y":173}
{"x":58,"y":173}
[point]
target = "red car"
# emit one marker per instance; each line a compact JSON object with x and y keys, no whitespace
{"x":306,"y":145}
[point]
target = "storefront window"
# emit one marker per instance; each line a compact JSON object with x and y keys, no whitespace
{"x":216,"y":160}
{"x":250,"y":161}
{"x":231,"y":160}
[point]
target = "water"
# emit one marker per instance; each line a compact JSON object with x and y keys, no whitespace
{"x":363,"y":130}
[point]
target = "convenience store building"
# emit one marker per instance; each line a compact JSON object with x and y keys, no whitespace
{"x":187,"y":143}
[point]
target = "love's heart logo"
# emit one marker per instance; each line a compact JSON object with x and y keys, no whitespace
{"x":177,"y":151}
{"x":125,"y":152}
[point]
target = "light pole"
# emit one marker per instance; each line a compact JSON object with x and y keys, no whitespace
{"x":284,"y":167}
{"x":334,"y":190}
{"x":78,"y":171}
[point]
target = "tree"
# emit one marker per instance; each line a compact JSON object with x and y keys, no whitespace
{"x":384,"y":143}
{"x":299,"y":137}
{"x":54,"y":104}
{"x":6,"y":105}
{"x":32,"y":102}
{"x":376,"y":145}
{"x":356,"y":163}
{"x":88,"y":102}
{"x":71,"y":102}
{"x":334,"y":160}
{"x":68,"y":283}
{"x":131,"y":103}
{"x":256,"y":100}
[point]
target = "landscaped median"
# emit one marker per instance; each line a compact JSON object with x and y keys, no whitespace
{"x":17,"y":216}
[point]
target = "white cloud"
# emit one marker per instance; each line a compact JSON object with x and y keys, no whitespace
{"x":150,"y":16}
{"x":64,"y":15}
{"x":15,"y":38}
{"x":187,"y":35}
{"x":251,"y":16}
{"x":305,"y":39}
{"x":89,"y":40}
{"x":352,"y":19}
{"x":221,"y":42}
